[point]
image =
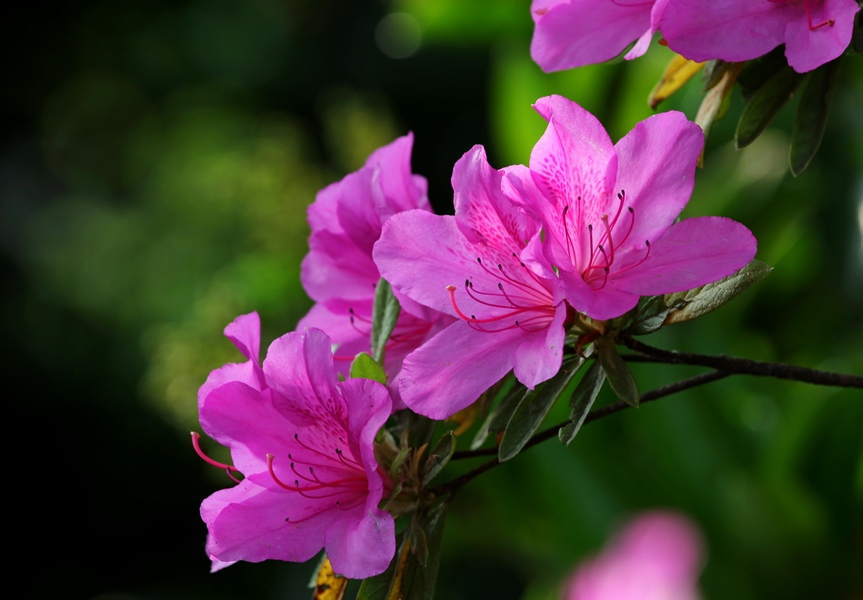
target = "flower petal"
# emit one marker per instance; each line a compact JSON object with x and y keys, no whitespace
{"x":574,"y":33}
{"x":450,"y":371}
{"x":656,"y":170}
{"x":538,"y":358}
{"x":808,"y":48}
{"x":692,"y":253}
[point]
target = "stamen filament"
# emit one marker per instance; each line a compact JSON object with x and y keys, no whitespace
{"x":229,"y":469}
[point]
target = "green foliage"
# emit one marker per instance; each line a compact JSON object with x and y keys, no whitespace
{"x":582,"y":399}
{"x":812,"y":114}
{"x":365,"y":367}
{"x":385,"y":314}
{"x":618,"y":374}
{"x":533,"y":408}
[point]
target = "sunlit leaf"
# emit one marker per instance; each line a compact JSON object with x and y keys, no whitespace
{"x":765,"y":103}
{"x":533,"y":408}
{"x":365,"y":367}
{"x":812,"y":114}
{"x":582,"y":399}
{"x":439,"y":457}
{"x":385,"y":313}
{"x":699,"y":301}
{"x":328,"y":585}
{"x":619,"y":376}
{"x":677,"y":73}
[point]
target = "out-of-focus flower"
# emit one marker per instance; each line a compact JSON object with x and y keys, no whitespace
{"x":608,"y":211}
{"x":473,"y":266}
{"x":339,"y":273}
{"x":814,"y":31}
{"x":657,"y":556}
{"x":305,"y":444}
{"x":574,"y":33}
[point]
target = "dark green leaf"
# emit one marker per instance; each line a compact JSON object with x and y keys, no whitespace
{"x":499,"y":415}
{"x":765,"y":103}
{"x":649,"y":315}
{"x":533,"y":408}
{"x":619,"y":376}
{"x":713,"y":73}
{"x":582,"y":399}
{"x":418,"y":582}
{"x":385,"y":313}
{"x":365,"y":367}
{"x":696,"y":302}
{"x":419,"y":542}
{"x":439,"y":457}
{"x":378,"y":587}
{"x":755,"y":73}
{"x":812,"y":113}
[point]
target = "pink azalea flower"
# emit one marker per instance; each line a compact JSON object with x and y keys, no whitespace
{"x":657,"y":556}
{"x":814,"y":31}
{"x":305,"y":444}
{"x":608,"y":211}
{"x":473,"y":266}
{"x":574,"y":33}
{"x":338,"y":272}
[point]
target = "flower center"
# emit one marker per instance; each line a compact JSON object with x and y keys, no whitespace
{"x":341,"y":475}
{"x":602,"y":245}
{"x":522,"y":295}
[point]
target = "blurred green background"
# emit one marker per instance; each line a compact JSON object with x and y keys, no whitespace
{"x":155,"y":164}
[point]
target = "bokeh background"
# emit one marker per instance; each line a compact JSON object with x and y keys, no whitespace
{"x":156,"y":160}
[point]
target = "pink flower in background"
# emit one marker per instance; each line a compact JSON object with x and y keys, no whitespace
{"x":608,"y":211}
{"x":574,"y":33}
{"x":814,"y":31}
{"x":338,"y":272}
{"x":483,"y":267}
{"x":656,"y":556}
{"x":304,"y":443}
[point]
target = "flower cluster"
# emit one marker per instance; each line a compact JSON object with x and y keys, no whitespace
{"x":578,"y":236}
{"x":574,"y":33}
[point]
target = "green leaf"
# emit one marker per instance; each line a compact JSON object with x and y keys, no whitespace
{"x":439,"y":457}
{"x":582,"y":399}
{"x":418,"y":581}
{"x":533,"y":408}
{"x":755,"y":73}
{"x":765,"y":103}
{"x":385,"y":313}
{"x":365,"y":367}
{"x":619,"y":376}
{"x":812,"y":113}
{"x":412,"y":574}
{"x":499,"y":415}
{"x":696,"y":302}
{"x":649,"y":315}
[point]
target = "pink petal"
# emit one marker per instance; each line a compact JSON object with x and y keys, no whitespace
{"x":806,"y":48}
{"x":401,"y":189}
{"x":336,"y":268}
{"x":538,"y":358}
{"x":656,"y":169}
{"x":484,"y":215}
{"x":245,"y":332}
{"x":731,"y":30}
{"x":575,"y":33}
{"x":362,"y":547}
{"x":450,"y":371}
{"x":692,"y":253}
{"x":606,"y":303}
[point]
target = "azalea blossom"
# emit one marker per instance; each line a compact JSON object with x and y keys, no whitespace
{"x":304,"y":443}
{"x":338,"y":272}
{"x":608,"y":211}
{"x":656,"y":556}
{"x":474,"y":267}
{"x":814,"y":31}
{"x":574,"y":33}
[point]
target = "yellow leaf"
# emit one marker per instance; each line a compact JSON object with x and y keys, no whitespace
{"x":396,"y":589}
{"x":328,"y":585}
{"x":679,"y":71}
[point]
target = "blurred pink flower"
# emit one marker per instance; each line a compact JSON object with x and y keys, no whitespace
{"x":305,"y":444}
{"x":814,"y":31}
{"x":339,"y":273}
{"x":656,"y":556}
